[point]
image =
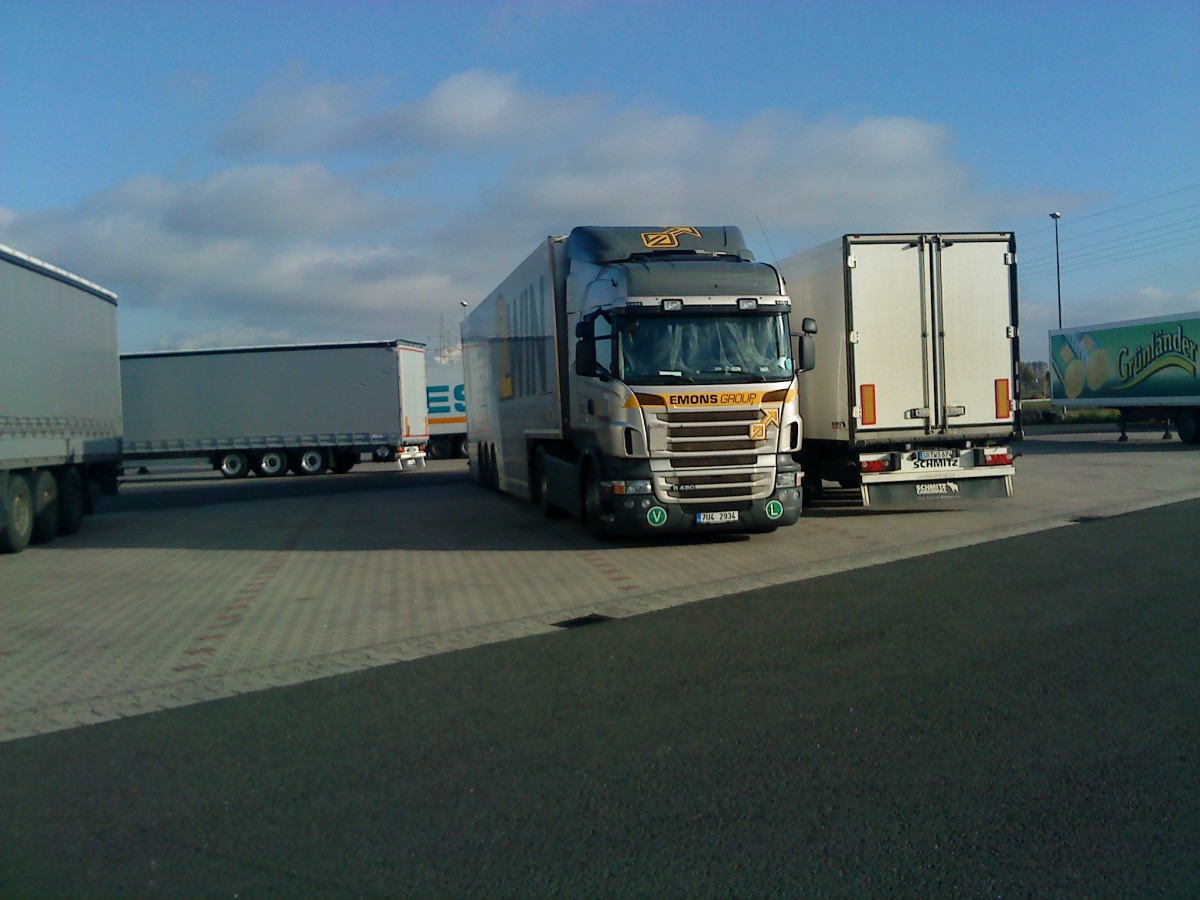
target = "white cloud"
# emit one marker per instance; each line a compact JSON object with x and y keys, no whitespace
{"x":317,"y":250}
{"x":275,"y":201}
{"x":291,"y":115}
{"x":468,"y":111}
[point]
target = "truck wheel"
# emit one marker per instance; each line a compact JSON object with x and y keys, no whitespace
{"x":384,"y":454}
{"x":309,"y":462}
{"x":43,"y":490}
{"x":464,"y":450}
{"x":493,"y":469}
{"x":593,"y":507}
{"x":343,"y":461}
{"x":70,"y":501}
{"x":813,"y":489}
{"x":1187,"y":424}
{"x":438,"y":448}
{"x":541,"y":483}
{"x":234,"y":464}
{"x":18,"y":514}
{"x":271,"y":464}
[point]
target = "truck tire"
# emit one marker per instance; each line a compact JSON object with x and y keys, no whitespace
{"x":464,"y":449}
{"x":310,"y":462}
{"x":343,"y":461}
{"x":1187,"y":425}
{"x":234,"y":464}
{"x":813,"y":489}
{"x":271,"y":464}
{"x":592,"y":505}
{"x":70,"y":500}
{"x":541,"y":485}
{"x":438,"y":448}
{"x":43,"y":491}
{"x":18,"y":514}
{"x":491,"y":469}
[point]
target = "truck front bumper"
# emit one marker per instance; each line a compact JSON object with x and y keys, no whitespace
{"x":643,"y":514}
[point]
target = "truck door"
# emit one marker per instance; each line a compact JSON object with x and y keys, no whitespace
{"x":889,"y":321}
{"x":973,"y":303}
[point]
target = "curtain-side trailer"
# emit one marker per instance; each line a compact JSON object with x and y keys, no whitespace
{"x":1144,"y":368}
{"x":307,"y":408}
{"x":915,"y":396}
{"x":60,"y":399}
{"x":641,"y":379}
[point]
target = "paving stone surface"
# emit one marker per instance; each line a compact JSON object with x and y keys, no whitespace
{"x":192,"y":588}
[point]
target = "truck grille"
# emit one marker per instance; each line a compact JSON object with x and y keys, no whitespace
{"x":711,"y":455}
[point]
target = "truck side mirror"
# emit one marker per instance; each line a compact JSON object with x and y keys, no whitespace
{"x":807,"y":346}
{"x":585,"y":358}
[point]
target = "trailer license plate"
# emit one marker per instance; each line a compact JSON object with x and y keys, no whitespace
{"x":935,"y":454}
{"x":716,"y":518}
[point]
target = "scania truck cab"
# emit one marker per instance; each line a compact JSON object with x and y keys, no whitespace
{"x":676,"y":385}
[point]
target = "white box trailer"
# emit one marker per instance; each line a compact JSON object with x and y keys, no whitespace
{"x":1143,"y":368}
{"x":915,"y":396}
{"x":304,"y":407}
{"x":446,"y":400}
{"x":60,"y":399}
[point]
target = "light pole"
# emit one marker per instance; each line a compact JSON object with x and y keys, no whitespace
{"x":1057,"y":269}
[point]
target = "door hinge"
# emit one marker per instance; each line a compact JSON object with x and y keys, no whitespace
{"x":1011,"y":331}
{"x":853,"y":337}
{"x":851,"y":262}
{"x":921,"y":412}
{"x":952,"y":411}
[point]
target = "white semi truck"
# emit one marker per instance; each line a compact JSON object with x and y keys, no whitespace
{"x":446,"y":400}
{"x":60,"y":399}
{"x":916,"y":396}
{"x":641,"y":379}
{"x":308,"y":408}
{"x":1144,"y":368}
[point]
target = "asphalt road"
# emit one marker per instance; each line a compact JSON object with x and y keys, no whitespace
{"x":1014,"y":718}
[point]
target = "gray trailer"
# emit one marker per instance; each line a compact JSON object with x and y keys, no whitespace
{"x":60,"y":399}
{"x":307,"y":408}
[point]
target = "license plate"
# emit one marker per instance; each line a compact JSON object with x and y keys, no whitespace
{"x":936,"y":454}
{"x":716,"y":518}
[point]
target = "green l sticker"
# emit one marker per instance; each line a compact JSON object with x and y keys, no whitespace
{"x":774,"y":509}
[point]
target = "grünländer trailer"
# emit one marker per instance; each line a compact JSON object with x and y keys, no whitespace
{"x":60,"y":399}
{"x":1143,"y":368}
{"x":304,"y":407}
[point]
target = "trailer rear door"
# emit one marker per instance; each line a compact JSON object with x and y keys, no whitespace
{"x":889,"y":323}
{"x":974,"y":299}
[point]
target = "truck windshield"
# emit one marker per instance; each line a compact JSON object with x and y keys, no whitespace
{"x":705,"y":348}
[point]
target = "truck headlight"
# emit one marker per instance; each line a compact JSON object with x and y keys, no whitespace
{"x":632,"y":487}
{"x":785,"y":480}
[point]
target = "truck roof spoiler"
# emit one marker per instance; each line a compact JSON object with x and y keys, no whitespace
{"x":599,"y":245}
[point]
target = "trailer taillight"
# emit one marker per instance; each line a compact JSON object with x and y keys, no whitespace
{"x":1003,"y":402}
{"x":871,"y":466}
{"x":997,"y":456}
{"x":866,"y":400}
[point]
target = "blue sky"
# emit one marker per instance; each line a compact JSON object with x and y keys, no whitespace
{"x":268,"y":172}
